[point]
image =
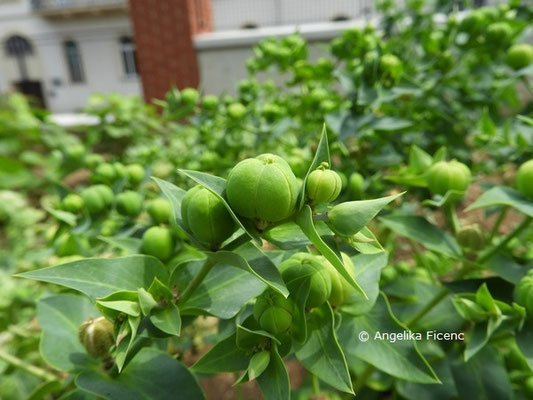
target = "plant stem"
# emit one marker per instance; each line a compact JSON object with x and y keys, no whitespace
{"x":428,"y":307}
{"x":497,"y":224}
{"x":315,"y":383}
{"x":451,"y":215}
{"x":523,"y":225}
{"x":209,"y":263}
{"x":31,"y":369}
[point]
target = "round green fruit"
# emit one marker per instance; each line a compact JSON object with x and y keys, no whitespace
{"x":135,"y":173}
{"x":93,"y":200}
{"x":524,"y":179}
{"x":323,"y":185}
{"x":448,"y":175}
{"x":390,"y":67}
{"x":66,"y":245}
{"x":75,"y":152}
{"x":304,"y":265}
{"x":160,"y":210}
{"x":157,"y":241}
{"x":236,"y":111}
{"x":341,"y":289}
{"x":106,"y":193}
{"x":263,"y":187}
{"x":205,"y":215}
{"x":499,"y":33}
{"x":471,"y":237}
{"x":356,"y":184}
{"x":97,"y":336}
{"x":92,"y":160}
{"x":120,"y":170}
{"x":274,"y":312}
{"x":524,"y":292}
{"x":189,"y":96}
{"x":129,"y":203}
{"x":520,"y":55}
{"x":210,"y":102}
{"x":104,"y":173}
{"x":73,"y":203}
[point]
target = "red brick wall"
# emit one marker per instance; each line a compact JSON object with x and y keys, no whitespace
{"x":164,"y":31}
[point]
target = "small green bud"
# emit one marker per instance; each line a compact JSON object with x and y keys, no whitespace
{"x":97,"y":336}
{"x":448,"y":175}
{"x":72,"y":202}
{"x":471,"y":237}
{"x":160,"y":210}
{"x":524,"y":292}
{"x":129,"y":203}
{"x":524,"y":179}
{"x":273,"y":312}
{"x":323,"y":186}
{"x":157,"y":241}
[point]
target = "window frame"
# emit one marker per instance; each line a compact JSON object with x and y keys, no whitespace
{"x":74,"y":61}
{"x":128,"y":57}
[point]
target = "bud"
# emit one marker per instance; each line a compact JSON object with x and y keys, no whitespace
{"x":97,"y":336}
{"x":471,"y":237}
{"x":448,"y":175}
{"x":524,"y":292}
{"x":323,"y":185}
{"x":274,"y":312}
{"x":304,"y":265}
{"x":524,"y":179}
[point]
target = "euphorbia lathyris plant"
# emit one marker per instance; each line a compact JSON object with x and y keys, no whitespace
{"x":263,"y":252}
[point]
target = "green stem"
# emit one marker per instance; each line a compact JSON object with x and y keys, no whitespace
{"x":451,"y":215}
{"x":315,"y":383}
{"x":31,"y":369}
{"x":497,"y":224}
{"x":209,"y":263}
{"x":523,"y":225}
{"x":428,"y":307}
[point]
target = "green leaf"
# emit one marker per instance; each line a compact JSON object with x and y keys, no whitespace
{"x":160,"y":291}
{"x":125,"y":340}
{"x":258,"y":363}
{"x":299,"y":322}
{"x":146,"y":301}
{"x":274,"y":381}
{"x":225,"y":356}
{"x":524,"y":340}
{"x":63,"y":216}
{"x":419,"y":160}
{"x":44,"y":390}
{"x":151,"y":375}
{"x":60,"y":318}
{"x":261,"y":267}
{"x":167,"y":319}
{"x":390,"y":124}
{"x":400,"y":359}
{"x":305,"y":221}
{"x":479,"y":337}
{"x":321,"y":155}
{"x":250,"y":335}
{"x":321,"y":353}
{"x":367,"y":273}
{"x":352,"y":216}
{"x":504,"y":266}
{"x":122,"y":306}
{"x":128,"y":244}
{"x":419,"y":229}
{"x":503,"y":196}
{"x":483,"y":377}
{"x":99,"y":277}
{"x":223,"y":292}
{"x":217,"y":186}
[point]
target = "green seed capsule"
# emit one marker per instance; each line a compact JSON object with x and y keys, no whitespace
{"x":273,"y":312}
{"x":72,"y":203}
{"x":129,"y":203}
{"x":302,"y":266}
{"x":160,"y":210}
{"x":205,"y":215}
{"x":524,"y":179}
{"x":323,"y":186}
{"x":157,"y":241}
{"x":448,"y":175}
{"x":263,"y":187}
{"x":524,"y":292}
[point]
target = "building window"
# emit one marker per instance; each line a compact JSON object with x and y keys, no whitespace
{"x":129,"y":56}
{"x":72,"y":52}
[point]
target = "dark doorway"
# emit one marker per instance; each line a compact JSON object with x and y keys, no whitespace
{"x":32,"y":89}
{"x":19,"y":47}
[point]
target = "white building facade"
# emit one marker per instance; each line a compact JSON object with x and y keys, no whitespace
{"x":62,"y":51}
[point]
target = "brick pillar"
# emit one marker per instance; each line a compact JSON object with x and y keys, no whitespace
{"x":164,"y":32}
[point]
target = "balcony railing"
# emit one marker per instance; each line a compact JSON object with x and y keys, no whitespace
{"x":67,"y":7}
